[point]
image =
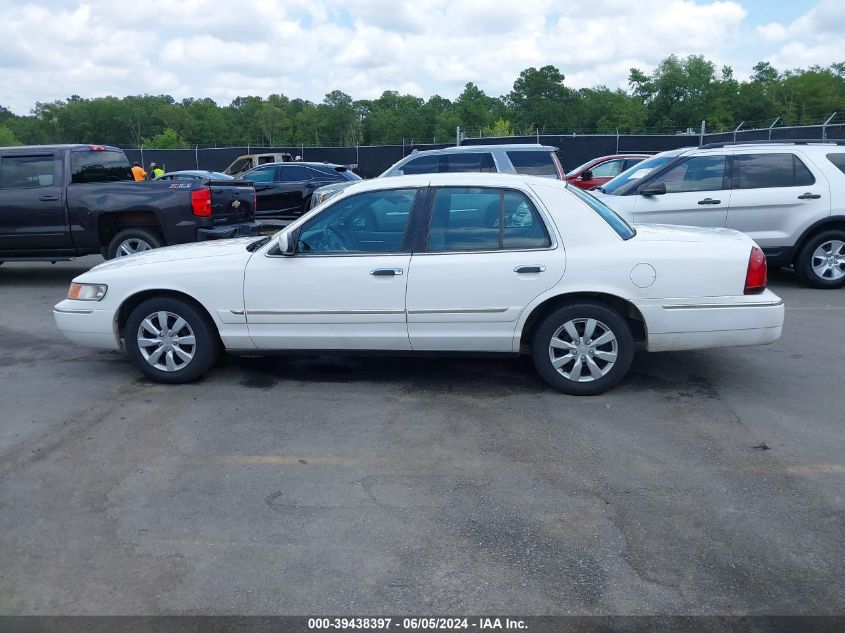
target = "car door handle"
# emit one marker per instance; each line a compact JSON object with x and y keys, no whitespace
{"x":709,"y":201}
{"x":48,"y":198}
{"x":379,"y":272}
{"x":809,"y":196}
{"x":535,"y":268}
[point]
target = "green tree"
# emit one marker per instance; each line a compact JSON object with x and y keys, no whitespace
{"x":539,"y":99}
{"x":167,"y":139}
{"x":500,"y":127}
{"x":7,"y":137}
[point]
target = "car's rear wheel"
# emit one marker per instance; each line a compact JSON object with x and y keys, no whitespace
{"x":821,"y":261}
{"x":170,"y":341}
{"x":130,"y":241}
{"x":583,"y":348}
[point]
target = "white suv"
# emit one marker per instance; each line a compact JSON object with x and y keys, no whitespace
{"x":789,"y":196}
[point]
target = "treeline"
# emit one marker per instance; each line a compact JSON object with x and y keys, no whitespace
{"x":677,"y":95}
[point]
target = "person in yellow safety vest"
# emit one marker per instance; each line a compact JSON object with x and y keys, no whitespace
{"x":138,"y":172}
{"x":155,"y":171}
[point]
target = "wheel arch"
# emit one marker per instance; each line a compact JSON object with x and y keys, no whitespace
{"x":826,"y":224}
{"x":110,"y":224}
{"x":624,"y":307}
{"x":134,"y":300}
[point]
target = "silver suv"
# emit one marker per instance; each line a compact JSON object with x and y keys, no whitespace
{"x":789,"y":196}
{"x":527,"y":159}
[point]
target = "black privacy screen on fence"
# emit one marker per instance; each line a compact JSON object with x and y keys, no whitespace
{"x":572,"y":149}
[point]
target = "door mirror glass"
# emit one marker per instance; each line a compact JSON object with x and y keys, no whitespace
{"x":287,"y":245}
{"x":653,"y":189}
{"x":586,"y":175}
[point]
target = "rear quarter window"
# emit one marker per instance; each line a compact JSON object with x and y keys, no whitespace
{"x":758,"y":171}
{"x":838,"y":160}
{"x":533,"y":163}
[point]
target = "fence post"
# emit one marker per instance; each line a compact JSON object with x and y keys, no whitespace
{"x":197,"y":155}
{"x":458,"y":136}
{"x":771,"y":126}
{"x":701,"y":134}
{"x":824,"y":126}
{"x":737,"y":130}
{"x":617,"y":140}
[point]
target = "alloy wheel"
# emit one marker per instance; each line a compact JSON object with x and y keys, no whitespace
{"x":583,"y":350}
{"x":166,"y":341}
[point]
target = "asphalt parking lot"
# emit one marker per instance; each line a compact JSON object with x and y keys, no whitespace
{"x":707,"y":482}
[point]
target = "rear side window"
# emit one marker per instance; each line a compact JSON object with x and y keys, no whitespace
{"x":263,"y":174}
{"x":755,"y":171}
{"x":838,"y":160}
{"x":533,"y":163}
{"x":26,"y":172}
{"x":484,"y":219}
{"x":422,"y":165}
{"x":295,"y":173}
{"x":470,"y":162}
{"x":99,"y":166}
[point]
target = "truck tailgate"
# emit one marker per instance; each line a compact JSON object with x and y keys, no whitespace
{"x":231,"y":201}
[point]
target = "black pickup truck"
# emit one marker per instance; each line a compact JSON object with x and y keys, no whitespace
{"x":63,"y":201}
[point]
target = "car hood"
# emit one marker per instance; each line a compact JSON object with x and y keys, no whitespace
{"x":675,"y":233}
{"x":181,"y":252}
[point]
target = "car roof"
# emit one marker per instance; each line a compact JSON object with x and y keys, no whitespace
{"x":458,"y":149}
{"x":464,"y":179}
{"x":300,"y":162}
{"x":109,"y":148}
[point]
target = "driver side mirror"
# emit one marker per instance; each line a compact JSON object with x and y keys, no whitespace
{"x":587,"y":175}
{"x":287,"y":244}
{"x":653,"y":189}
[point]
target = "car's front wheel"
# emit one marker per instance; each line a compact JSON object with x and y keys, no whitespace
{"x":583,"y":349}
{"x":169,"y":340}
{"x":821,"y":261}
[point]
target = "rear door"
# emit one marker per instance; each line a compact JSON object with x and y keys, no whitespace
{"x":488,"y":254}
{"x":697,"y":193}
{"x":776,"y":195}
{"x":32,"y":207}
{"x":269,"y":196}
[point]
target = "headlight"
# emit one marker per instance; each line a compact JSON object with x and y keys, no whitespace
{"x":325,"y":196}
{"x":87,"y":292}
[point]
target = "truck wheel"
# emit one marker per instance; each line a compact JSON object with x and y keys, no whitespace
{"x":583,"y":349}
{"x":129,"y":241}
{"x":170,"y":341}
{"x":821,"y":261}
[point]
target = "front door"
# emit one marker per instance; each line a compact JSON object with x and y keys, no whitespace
{"x":697,"y":194}
{"x":489,"y":253}
{"x":32,"y":208}
{"x":344,"y":288}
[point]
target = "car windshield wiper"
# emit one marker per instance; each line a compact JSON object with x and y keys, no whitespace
{"x":254,"y":246}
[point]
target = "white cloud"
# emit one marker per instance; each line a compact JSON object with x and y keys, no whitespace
{"x":306,"y":48}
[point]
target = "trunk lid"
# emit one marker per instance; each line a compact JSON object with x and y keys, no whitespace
{"x":231,"y":202}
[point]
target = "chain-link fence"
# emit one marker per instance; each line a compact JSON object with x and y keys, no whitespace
{"x":572,"y":149}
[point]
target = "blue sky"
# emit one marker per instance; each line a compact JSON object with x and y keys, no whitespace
{"x":306,"y":48}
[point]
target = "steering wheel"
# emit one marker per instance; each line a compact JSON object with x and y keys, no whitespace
{"x":333,"y":239}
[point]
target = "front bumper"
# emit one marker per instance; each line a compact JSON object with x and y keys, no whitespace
{"x":712,"y":322}
{"x":84,"y":324}
{"x":243,"y":229}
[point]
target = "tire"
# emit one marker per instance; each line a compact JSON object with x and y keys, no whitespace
{"x":821,"y":260}
{"x":130,"y":241}
{"x":165,"y":361}
{"x":601,"y":371}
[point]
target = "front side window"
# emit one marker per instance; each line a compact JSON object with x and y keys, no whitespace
{"x":372,"y":222}
{"x":756,"y":171}
{"x":699,"y":173}
{"x":26,"y":172}
{"x":264,"y":174}
{"x":534,"y":163}
{"x":422,"y":165}
{"x":484,"y":219}
{"x":470,"y":162}
{"x":608,"y":169}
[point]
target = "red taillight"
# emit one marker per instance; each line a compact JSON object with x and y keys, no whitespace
{"x":755,"y":278}
{"x":201,"y":202}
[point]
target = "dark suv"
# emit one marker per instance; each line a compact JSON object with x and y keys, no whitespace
{"x":527,"y":159}
{"x":283,"y":190}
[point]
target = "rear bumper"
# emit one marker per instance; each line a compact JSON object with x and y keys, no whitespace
{"x":243,"y":229}
{"x":712,"y":322}
{"x":86,"y":325}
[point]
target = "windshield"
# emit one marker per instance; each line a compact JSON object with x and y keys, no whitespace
{"x":622,"y":228}
{"x":624,"y":181}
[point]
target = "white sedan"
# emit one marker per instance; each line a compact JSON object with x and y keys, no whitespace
{"x":436,"y":263}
